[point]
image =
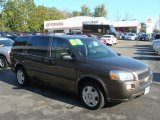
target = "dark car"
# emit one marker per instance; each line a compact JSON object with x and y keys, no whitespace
{"x":81,"y":65}
{"x":144,"y":37}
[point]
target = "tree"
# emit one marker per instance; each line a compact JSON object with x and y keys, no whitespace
{"x":143,"y":27}
{"x":118,"y":17}
{"x":85,"y":10}
{"x":156,"y":31}
{"x":100,"y":11}
{"x":76,"y":13}
{"x":15,"y":15}
{"x":127,"y":17}
{"x":67,"y":14}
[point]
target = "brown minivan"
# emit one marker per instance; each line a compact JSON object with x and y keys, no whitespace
{"x":80,"y":65}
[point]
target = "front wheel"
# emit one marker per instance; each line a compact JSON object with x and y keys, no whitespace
{"x":3,"y":62}
{"x":22,"y":78}
{"x":92,"y":96}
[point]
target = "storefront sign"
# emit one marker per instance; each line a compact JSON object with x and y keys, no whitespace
{"x":91,"y":22}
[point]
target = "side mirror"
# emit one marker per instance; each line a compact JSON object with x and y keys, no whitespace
{"x":119,"y":54}
{"x":67,"y":57}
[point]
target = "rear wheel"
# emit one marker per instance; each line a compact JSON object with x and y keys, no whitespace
{"x":22,"y":78}
{"x":92,"y":96}
{"x":3,"y":62}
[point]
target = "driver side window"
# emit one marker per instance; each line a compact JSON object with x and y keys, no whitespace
{"x":59,"y":47}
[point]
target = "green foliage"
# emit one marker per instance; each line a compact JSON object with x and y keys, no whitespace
{"x":76,"y":13}
{"x":85,"y":10}
{"x":24,"y":15}
{"x":156,"y":30}
{"x":100,"y":11}
{"x":143,"y":27}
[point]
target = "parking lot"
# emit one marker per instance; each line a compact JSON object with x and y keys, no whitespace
{"x":39,"y":102}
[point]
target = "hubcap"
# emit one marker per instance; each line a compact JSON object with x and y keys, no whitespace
{"x":20,"y":76}
{"x":90,"y":96}
{"x":2,"y":63}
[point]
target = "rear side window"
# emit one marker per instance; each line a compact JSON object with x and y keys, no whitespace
{"x":21,"y":41}
{"x":38,"y":45}
{"x":157,"y":36}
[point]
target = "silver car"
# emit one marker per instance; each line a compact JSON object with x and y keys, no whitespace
{"x":5,"y":48}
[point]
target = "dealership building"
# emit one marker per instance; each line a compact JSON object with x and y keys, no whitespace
{"x":75,"y":24}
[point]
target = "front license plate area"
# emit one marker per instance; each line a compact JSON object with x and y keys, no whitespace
{"x":147,"y":89}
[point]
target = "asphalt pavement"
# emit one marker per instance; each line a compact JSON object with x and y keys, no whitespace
{"x":40,"y":102}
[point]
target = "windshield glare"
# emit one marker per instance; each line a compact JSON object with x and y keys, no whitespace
{"x":93,"y":48}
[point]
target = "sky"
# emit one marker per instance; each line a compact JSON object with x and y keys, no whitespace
{"x":140,"y":10}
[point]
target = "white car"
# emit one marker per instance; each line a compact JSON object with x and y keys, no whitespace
{"x":109,"y":39}
{"x":132,"y":36}
{"x":5,"y":48}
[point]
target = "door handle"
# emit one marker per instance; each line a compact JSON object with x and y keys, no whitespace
{"x":48,"y":61}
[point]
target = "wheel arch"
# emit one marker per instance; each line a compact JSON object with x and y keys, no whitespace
{"x":90,"y":78}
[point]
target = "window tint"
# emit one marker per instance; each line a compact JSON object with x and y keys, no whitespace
{"x":38,"y":45}
{"x":59,"y":47}
{"x":21,"y":41}
{"x":92,"y":48}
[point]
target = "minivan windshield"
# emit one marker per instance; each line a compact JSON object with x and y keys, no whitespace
{"x":92,"y":48}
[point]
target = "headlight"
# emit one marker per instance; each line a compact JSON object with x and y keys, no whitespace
{"x":121,"y":75}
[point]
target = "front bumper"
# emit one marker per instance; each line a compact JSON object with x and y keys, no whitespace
{"x":120,"y":92}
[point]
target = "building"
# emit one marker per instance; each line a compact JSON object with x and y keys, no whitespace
{"x":75,"y":24}
{"x":127,"y":26}
{"x":151,"y":25}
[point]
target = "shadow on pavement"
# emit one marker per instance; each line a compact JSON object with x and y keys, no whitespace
{"x":146,"y":52}
{"x":156,"y":77}
{"x":45,"y":90}
{"x":147,"y":58}
{"x":9,"y":77}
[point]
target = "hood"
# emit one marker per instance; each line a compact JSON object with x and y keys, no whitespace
{"x":118,"y":63}
{"x":4,"y":49}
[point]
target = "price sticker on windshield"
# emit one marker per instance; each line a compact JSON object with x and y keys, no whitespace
{"x":79,"y":42}
{"x":75,"y":42}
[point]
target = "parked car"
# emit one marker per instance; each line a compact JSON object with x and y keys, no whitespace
{"x":154,"y":41}
{"x":158,"y":50}
{"x":10,"y":35}
{"x":132,"y":36}
{"x":81,"y":65}
{"x":125,"y":36}
{"x":109,"y":39}
{"x":5,"y":48}
{"x":156,"y":36}
{"x":156,"y":45}
{"x":144,"y":37}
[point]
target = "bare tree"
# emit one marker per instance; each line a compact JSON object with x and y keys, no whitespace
{"x":118,"y":16}
{"x":127,"y":17}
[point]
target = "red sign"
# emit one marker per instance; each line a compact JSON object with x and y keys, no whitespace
{"x":54,"y":24}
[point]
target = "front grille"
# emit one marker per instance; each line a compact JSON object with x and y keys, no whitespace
{"x":144,"y":74}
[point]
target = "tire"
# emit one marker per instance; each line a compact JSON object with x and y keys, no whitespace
{"x":22,"y":77}
{"x":87,"y":91}
{"x":3,"y":62}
